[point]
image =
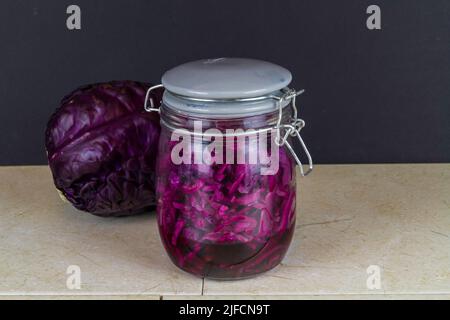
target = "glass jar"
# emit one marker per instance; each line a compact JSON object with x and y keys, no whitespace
{"x":226,"y":184}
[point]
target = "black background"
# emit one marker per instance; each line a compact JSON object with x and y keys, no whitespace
{"x":371,"y":95}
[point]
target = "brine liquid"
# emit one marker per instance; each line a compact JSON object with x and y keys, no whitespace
{"x":228,"y":261}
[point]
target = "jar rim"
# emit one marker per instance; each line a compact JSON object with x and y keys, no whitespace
{"x":173,"y":118}
{"x":225,"y":108}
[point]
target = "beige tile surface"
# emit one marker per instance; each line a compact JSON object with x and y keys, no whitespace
{"x":396,"y":217}
{"x":40,"y":236}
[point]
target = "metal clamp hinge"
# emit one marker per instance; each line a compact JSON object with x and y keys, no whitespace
{"x":152,"y":103}
{"x":292,"y":129}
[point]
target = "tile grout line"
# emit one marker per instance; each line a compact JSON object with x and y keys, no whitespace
{"x":203,"y":285}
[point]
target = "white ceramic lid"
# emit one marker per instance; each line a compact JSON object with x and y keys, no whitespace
{"x":226,"y":78}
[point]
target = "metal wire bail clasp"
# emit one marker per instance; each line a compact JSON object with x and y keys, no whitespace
{"x":292,"y":129}
{"x":152,"y":103}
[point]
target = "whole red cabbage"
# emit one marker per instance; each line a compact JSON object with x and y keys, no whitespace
{"x":102,"y":146}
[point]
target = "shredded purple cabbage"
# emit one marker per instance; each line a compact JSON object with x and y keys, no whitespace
{"x":224,"y":221}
